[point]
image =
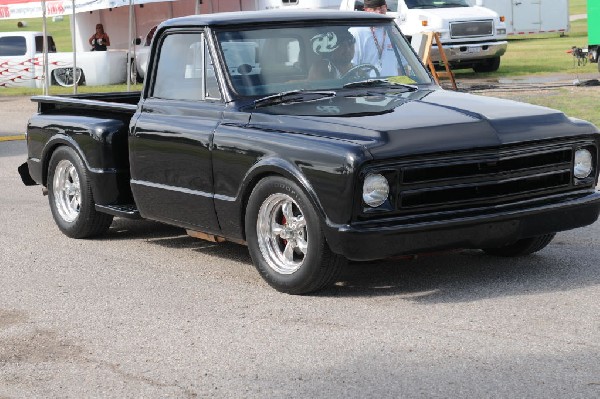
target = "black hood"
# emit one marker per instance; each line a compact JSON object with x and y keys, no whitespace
{"x":425,"y":121}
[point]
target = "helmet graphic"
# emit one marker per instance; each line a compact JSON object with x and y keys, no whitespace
{"x":324,"y":43}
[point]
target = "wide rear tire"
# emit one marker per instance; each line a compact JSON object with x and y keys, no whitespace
{"x":70,"y":196}
{"x":285,"y":239}
{"x":522,"y":247}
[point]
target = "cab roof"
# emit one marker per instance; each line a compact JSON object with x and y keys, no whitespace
{"x":271,"y":16}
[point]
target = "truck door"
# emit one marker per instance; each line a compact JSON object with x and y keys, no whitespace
{"x":170,"y":143}
{"x":526,"y":15}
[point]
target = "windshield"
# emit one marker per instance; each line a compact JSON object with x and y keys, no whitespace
{"x":436,"y":3}
{"x":261,"y":62}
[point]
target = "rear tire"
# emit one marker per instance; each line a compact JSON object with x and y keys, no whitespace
{"x":285,"y":239}
{"x":70,"y":196}
{"x":487,"y":65}
{"x":522,"y":247}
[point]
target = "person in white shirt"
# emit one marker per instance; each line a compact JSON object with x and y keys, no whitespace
{"x":373,"y":46}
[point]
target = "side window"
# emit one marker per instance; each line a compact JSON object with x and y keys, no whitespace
{"x":185,"y":69}
{"x":39,"y":44}
{"x":12,"y":45}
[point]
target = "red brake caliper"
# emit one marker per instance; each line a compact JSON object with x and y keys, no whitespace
{"x":283,"y":220}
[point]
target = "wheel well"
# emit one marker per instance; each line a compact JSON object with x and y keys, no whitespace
{"x":260,"y":176}
{"x":46,"y":162}
{"x":246,"y":196}
{"x":48,"y":157}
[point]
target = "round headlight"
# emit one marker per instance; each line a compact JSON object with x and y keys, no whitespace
{"x":583,"y":163}
{"x":375,"y":190}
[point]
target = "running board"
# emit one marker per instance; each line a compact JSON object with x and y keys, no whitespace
{"x":129,"y":211}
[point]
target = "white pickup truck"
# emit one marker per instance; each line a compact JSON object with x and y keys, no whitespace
{"x":472,"y":36}
{"x":22,"y":63}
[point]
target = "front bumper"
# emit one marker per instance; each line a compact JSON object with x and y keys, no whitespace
{"x":469,"y":51}
{"x":377,"y":240}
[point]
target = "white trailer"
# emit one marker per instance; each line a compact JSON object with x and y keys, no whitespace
{"x":528,"y":17}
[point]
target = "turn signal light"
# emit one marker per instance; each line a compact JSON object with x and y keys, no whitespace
{"x":424,"y":23}
{"x":502,"y":18}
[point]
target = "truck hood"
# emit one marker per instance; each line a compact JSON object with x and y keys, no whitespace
{"x":425,"y":121}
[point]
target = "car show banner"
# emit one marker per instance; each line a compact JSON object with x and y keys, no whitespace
{"x":17,"y":9}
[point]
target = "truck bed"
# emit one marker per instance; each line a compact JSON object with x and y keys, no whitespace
{"x":122,"y":102}
{"x":96,"y":126}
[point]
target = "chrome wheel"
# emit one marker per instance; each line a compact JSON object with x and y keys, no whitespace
{"x":282,"y":233}
{"x":67,"y":191}
{"x":285,"y":238}
{"x":66,"y":76}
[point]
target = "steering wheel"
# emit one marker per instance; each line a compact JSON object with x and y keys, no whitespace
{"x":361,"y":71}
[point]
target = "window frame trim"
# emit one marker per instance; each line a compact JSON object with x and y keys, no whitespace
{"x":206,"y":48}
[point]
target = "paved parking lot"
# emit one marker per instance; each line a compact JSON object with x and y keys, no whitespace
{"x":14,"y":112}
{"x":147,"y":311}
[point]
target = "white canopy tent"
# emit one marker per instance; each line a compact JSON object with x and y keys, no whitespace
{"x":124,"y":20}
{"x":20,"y":9}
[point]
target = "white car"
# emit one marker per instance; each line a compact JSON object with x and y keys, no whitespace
{"x":142,"y":52}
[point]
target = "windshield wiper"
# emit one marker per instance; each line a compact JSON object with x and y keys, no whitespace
{"x":293,"y":96}
{"x":378,"y":82}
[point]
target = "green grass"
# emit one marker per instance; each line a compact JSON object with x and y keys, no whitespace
{"x":578,"y":102}
{"x":541,"y":54}
{"x":56,"y":90}
{"x":59,"y":30}
{"x":578,"y":6}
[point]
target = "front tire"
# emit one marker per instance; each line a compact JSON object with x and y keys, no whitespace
{"x":523,"y":247}
{"x":285,"y":239}
{"x":488,"y":65}
{"x":70,"y":196}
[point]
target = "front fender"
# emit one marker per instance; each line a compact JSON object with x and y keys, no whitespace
{"x":325,"y":169}
{"x":231,"y":211}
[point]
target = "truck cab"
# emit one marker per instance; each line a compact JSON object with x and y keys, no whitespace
{"x":472,"y":36}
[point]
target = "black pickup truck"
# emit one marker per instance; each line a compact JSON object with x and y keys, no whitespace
{"x":293,"y":133}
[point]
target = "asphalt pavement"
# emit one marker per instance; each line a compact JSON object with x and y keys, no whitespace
{"x":14,"y":112}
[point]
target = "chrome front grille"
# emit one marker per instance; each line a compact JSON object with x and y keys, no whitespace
{"x":480,"y":179}
{"x":471,"y":29}
{"x":490,"y":178}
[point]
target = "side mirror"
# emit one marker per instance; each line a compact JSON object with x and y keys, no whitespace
{"x":137,"y":41}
